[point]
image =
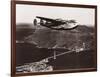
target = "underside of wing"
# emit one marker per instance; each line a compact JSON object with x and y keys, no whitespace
{"x":47,"y":19}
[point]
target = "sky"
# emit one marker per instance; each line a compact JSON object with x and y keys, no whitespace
{"x":27,"y":13}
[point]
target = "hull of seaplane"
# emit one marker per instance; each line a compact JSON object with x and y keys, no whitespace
{"x":66,"y":26}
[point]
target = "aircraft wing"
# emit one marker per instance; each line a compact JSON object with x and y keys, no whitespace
{"x":51,"y":20}
{"x":44,"y":18}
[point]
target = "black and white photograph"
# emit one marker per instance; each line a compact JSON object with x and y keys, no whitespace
{"x":54,"y":38}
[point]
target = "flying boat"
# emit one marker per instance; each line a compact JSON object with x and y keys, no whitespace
{"x":56,"y":24}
